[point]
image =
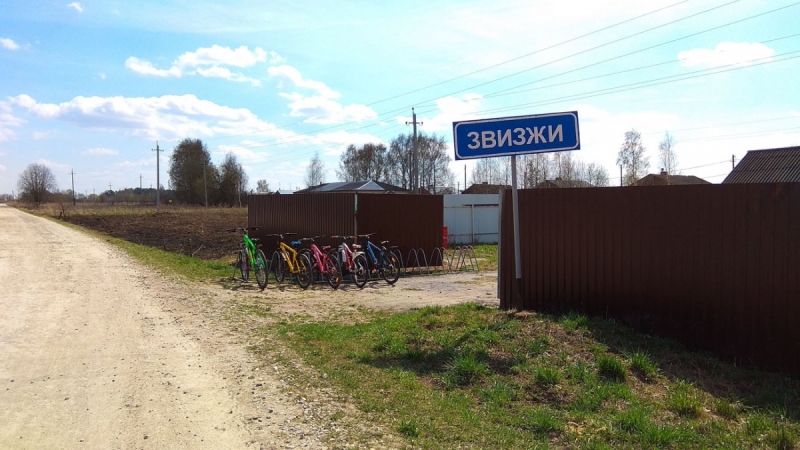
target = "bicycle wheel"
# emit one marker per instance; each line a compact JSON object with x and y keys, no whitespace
{"x":261,"y":270}
{"x":303,"y":271}
{"x":278,"y":264}
{"x":390,"y":268}
{"x":332,"y":272}
{"x":316,"y":271}
{"x":360,"y":272}
{"x":244,"y":265}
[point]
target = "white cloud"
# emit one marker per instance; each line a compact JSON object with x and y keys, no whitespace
{"x":291,"y":74}
{"x":41,"y":135}
{"x":323,"y":110}
{"x":54,"y":165}
{"x":101,"y":75}
{"x":247,"y":152}
{"x":2,"y":168}
{"x":76,"y":6}
{"x":210,"y":62}
{"x":7,"y":121}
{"x":9,"y":44}
{"x":218,"y":55}
{"x":320,"y":107}
{"x":146,"y":68}
{"x":726,"y":53}
{"x":100,"y":152}
{"x":451,"y":109}
{"x":170,"y":117}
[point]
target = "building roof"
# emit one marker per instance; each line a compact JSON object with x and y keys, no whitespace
{"x":665,"y":179}
{"x":559,"y":183}
{"x":776,"y":165}
{"x":485,"y":188}
{"x":352,"y":186}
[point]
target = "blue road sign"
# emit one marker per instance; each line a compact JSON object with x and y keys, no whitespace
{"x":508,"y":136}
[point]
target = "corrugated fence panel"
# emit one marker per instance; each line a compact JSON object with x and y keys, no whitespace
{"x":307,"y":215}
{"x":713,"y":266}
{"x":407,"y":221}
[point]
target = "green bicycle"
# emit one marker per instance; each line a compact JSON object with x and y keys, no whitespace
{"x":250,"y":257}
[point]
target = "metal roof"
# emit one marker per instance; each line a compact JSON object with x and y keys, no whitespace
{"x":777,"y":165}
{"x":349,"y":186}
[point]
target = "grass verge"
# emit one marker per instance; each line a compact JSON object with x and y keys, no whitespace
{"x":472,"y":377}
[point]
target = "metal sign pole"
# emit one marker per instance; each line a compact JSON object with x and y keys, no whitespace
{"x":517,"y":252}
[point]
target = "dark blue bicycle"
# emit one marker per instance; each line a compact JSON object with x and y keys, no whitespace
{"x":381,"y":259}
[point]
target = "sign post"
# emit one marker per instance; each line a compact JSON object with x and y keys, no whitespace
{"x":512,"y":136}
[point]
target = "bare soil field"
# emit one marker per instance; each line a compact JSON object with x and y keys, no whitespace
{"x":195,"y":232}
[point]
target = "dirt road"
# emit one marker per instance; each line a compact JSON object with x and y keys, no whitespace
{"x":97,"y":351}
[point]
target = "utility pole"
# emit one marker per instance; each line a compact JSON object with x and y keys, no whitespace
{"x":73,"y":186}
{"x":465,"y":177}
{"x":733,"y":161}
{"x":158,"y":179}
{"x":415,"y":158}
{"x":620,"y":175}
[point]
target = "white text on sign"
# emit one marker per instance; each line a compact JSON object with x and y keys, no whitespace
{"x":490,"y":139}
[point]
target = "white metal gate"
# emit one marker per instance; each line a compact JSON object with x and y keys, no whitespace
{"x":472,"y":218}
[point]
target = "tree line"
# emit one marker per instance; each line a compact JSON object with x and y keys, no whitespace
{"x":195,"y":180}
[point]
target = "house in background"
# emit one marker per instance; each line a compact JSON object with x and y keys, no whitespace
{"x":560,"y":183}
{"x":665,"y":179}
{"x":354,"y":187}
{"x":777,"y":165}
{"x":485,"y":188}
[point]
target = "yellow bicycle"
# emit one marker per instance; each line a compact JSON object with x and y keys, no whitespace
{"x":287,"y":261}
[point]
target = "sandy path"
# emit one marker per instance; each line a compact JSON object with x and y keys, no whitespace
{"x":98,"y":352}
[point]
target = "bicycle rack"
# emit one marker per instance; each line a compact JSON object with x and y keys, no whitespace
{"x":450,"y":260}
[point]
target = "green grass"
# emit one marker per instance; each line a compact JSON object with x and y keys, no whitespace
{"x":610,"y":367}
{"x":643,"y":365}
{"x":472,"y":377}
{"x":486,"y":255}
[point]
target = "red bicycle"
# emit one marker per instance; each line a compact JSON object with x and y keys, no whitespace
{"x":353,"y":262}
{"x":322,"y":265}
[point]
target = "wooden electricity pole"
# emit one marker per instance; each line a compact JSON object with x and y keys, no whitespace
{"x":415,"y":158}
{"x":158,"y":179}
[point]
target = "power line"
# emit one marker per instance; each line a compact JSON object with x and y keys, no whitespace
{"x":477,"y":71}
{"x":580,"y":68}
{"x":528,"y":54}
{"x":628,"y":87}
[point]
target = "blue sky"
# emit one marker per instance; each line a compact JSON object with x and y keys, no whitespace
{"x":90,"y":86}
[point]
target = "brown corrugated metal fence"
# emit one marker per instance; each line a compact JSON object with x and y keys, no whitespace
{"x":713,"y":266}
{"x":407,"y":221}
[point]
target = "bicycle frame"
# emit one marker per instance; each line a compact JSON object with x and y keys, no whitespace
{"x":290,"y":254}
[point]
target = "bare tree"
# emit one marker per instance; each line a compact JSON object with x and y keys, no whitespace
{"x":565,"y":166}
{"x":262,"y":187}
{"x":632,"y":158}
{"x":433,"y":158}
{"x":666,"y":155}
{"x":36,"y":182}
{"x":592,"y":173}
{"x":367,"y":162}
{"x":537,"y":169}
{"x":315,"y":172}
{"x":491,"y":170}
